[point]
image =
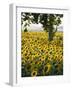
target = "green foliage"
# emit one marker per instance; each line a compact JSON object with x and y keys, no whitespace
{"x":35,"y":19}
{"x":25,"y":30}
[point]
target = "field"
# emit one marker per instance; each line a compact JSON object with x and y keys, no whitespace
{"x":39,"y":56}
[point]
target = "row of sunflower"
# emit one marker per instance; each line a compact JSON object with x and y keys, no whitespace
{"x":39,"y":56}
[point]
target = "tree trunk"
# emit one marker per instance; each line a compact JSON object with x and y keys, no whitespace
{"x":50,"y":34}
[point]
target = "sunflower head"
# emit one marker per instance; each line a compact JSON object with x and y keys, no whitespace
{"x":48,"y":67}
{"x":34,"y":73}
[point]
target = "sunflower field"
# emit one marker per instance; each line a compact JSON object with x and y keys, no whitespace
{"x":39,"y":56}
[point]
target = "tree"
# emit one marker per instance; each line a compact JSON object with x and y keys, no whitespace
{"x":27,"y":19}
{"x":47,"y":20}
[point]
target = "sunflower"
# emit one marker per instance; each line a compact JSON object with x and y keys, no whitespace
{"x":42,"y":58}
{"x":50,"y":57}
{"x":38,"y":52}
{"x":47,"y":67}
{"x":60,"y":57}
{"x":34,"y":73}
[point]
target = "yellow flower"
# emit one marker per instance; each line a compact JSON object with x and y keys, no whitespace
{"x":35,"y":48}
{"x":47,"y":67}
{"x":34,"y":73}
